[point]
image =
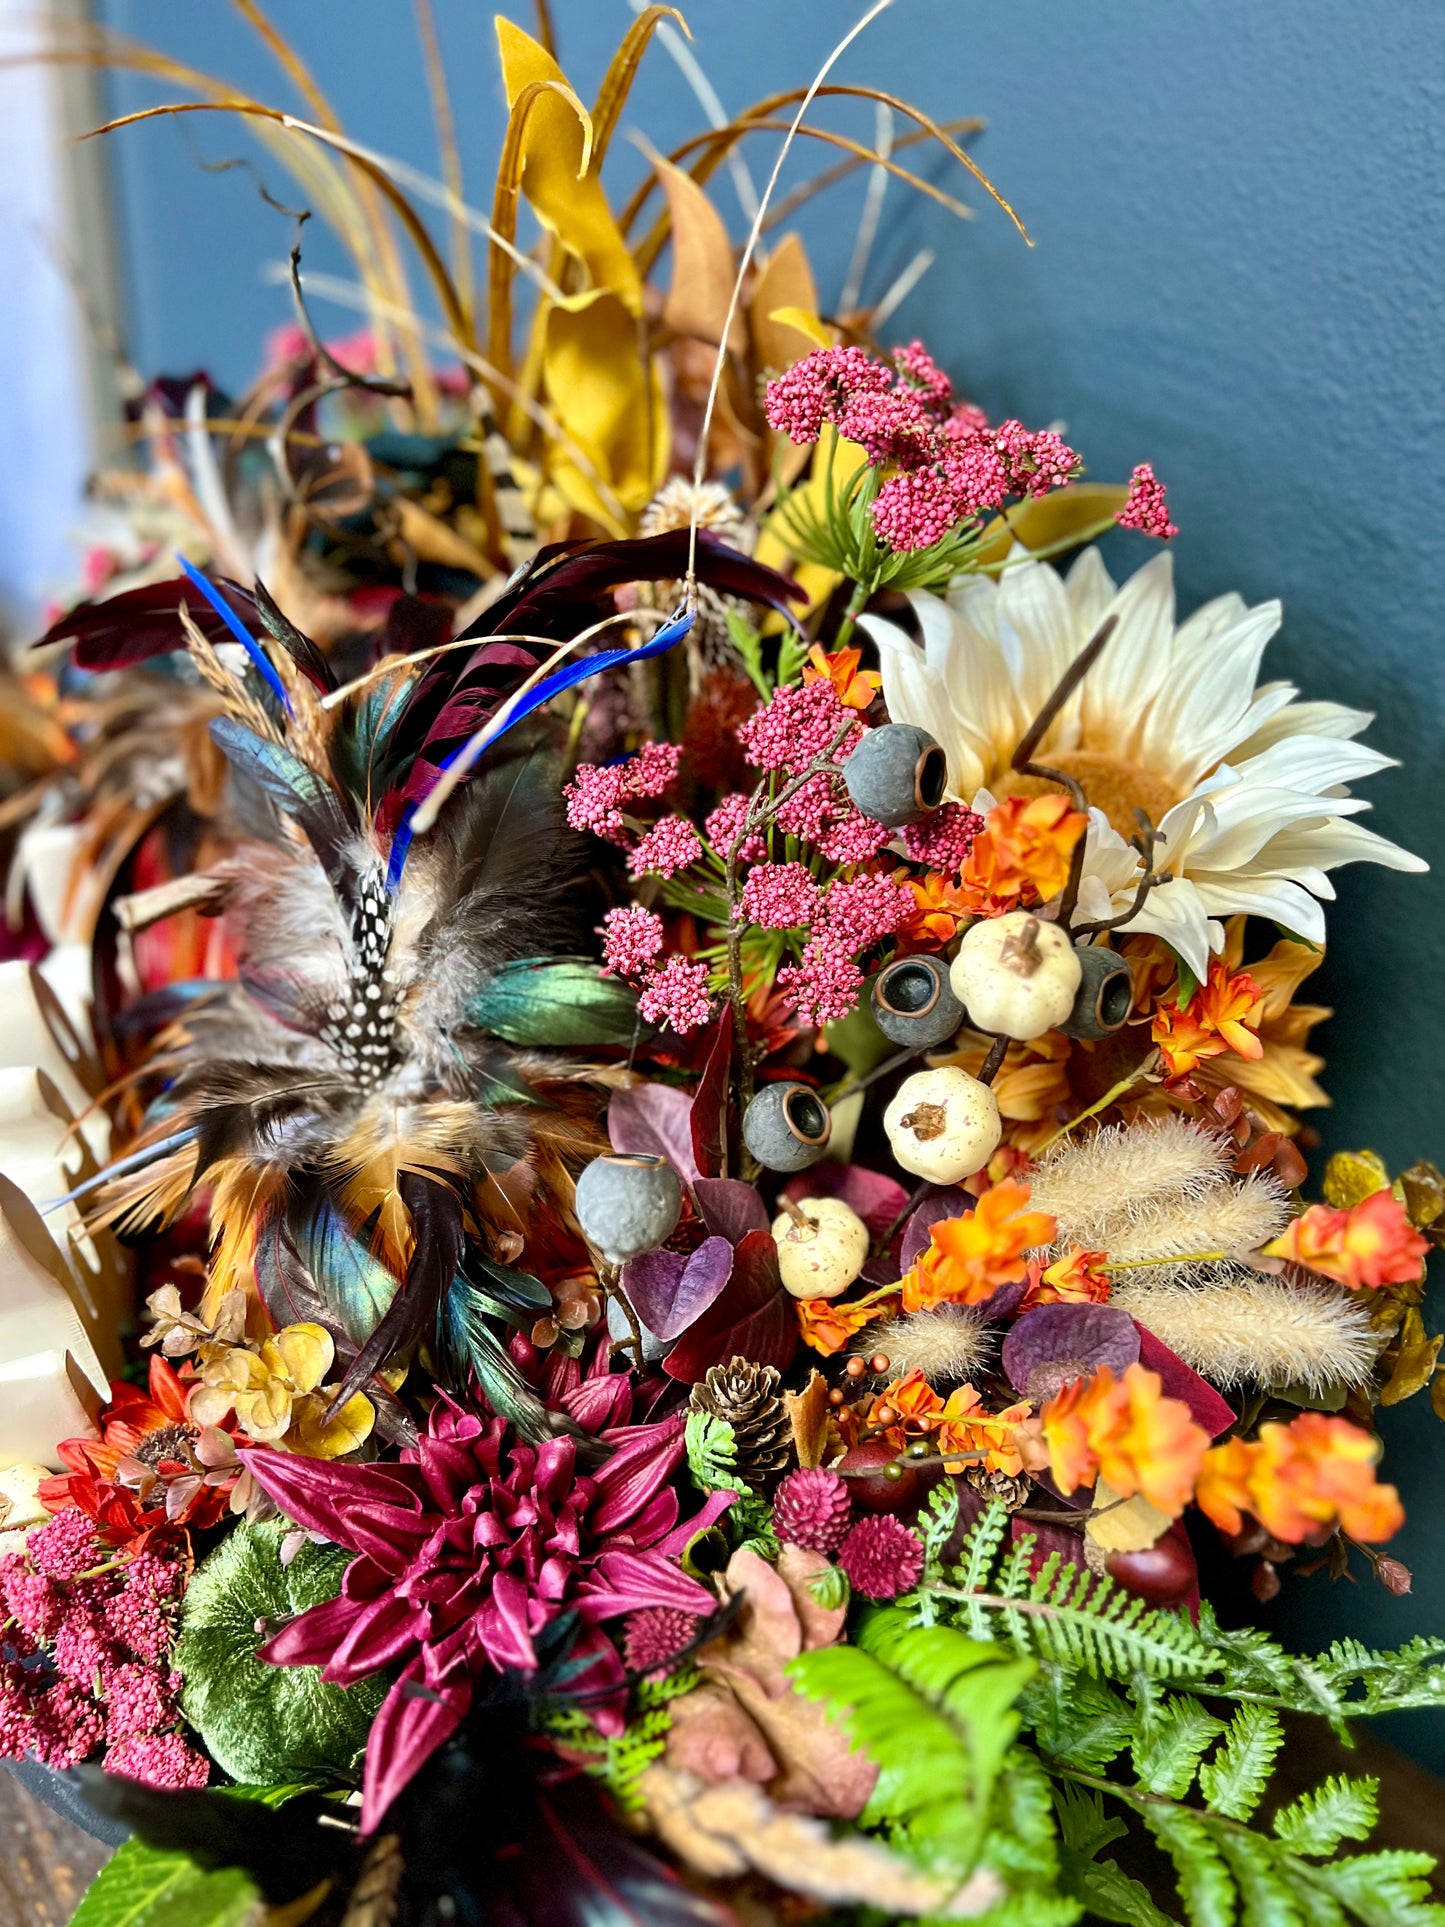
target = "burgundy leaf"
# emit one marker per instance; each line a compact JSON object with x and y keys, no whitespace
{"x":730,"y":1209}
{"x":1181,"y":1381}
{"x":669,"y":1292}
{"x":1067,"y":1334}
{"x":754,"y":1317}
{"x":708,"y":1116}
{"x":654,"y":1120}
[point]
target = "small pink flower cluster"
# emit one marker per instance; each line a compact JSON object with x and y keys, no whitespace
{"x":779,"y":896}
{"x":951,"y":464}
{"x":855,"y":914}
{"x":669,"y":846}
{"x":943,"y":840}
{"x":673,"y":992}
{"x":83,"y":1663}
{"x":1145,"y":508}
{"x":799,"y":723}
{"x":599,"y":793}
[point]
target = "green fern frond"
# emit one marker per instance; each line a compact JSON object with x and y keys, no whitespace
{"x":1382,"y":1889}
{"x":1338,"y":1809}
{"x":1204,"y":1881}
{"x":1170,"y":1744}
{"x":1234,"y":1781}
{"x":712,"y":1454}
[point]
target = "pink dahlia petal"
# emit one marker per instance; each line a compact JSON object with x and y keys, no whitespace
{"x":325,"y":1497}
{"x":598,"y":1403}
{"x":645,"y":1458}
{"x":378,"y":1635}
{"x":625,"y":1581}
{"x":409,"y":1728}
{"x":311,"y":1639}
{"x":679,"y":1539}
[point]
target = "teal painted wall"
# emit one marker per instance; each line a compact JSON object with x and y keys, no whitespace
{"x":1239,"y":275}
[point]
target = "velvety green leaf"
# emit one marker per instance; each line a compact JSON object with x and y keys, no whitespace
{"x":262,"y":1723}
{"x":554,"y":1002}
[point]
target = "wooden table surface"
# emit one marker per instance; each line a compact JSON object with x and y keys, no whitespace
{"x":46,"y":1863}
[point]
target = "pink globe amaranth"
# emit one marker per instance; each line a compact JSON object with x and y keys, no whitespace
{"x":466,"y":1550}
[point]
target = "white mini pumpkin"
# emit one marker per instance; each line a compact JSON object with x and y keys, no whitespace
{"x":943,"y":1125}
{"x":1016,"y":975}
{"x":821,"y":1256}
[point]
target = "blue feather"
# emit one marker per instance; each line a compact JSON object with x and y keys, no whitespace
{"x":264,"y":667}
{"x":146,"y":1155}
{"x":578,"y":670}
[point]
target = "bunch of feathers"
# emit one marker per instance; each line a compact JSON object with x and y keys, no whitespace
{"x":385,"y":1098}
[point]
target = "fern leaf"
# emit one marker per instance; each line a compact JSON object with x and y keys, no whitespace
{"x":1233,"y":1782}
{"x":1030,"y":1910}
{"x":1079,"y":1721}
{"x":976,"y":1563}
{"x":1169,"y":1745}
{"x":712,"y":1454}
{"x":1338,"y":1809}
{"x":936,"y":1525}
{"x":1265,"y":1890}
{"x":1204,"y":1881}
{"x":1383,"y":1889}
{"x":1110,"y":1894}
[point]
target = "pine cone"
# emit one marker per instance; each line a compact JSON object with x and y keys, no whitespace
{"x":746,"y":1395}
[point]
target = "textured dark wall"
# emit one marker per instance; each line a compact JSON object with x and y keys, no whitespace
{"x":1238,"y":276}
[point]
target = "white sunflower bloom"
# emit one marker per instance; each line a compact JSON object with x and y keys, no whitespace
{"x":1246,"y":786}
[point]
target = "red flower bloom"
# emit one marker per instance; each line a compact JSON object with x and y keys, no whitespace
{"x":142,"y":1474}
{"x":468,"y":1549}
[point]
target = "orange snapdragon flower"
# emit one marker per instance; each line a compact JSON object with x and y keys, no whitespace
{"x":829,"y":1326}
{"x":1126,"y":1431}
{"x":1075,"y":1279}
{"x":1300,"y":1481}
{"x":1372,"y":1243}
{"x":854,"y":689}
{"x":938,"y":910}
{"x":1223,"y":1014}
{"x":1023,"y":853}
{"x":964,"y":1426}
{"x":969,"y":1257}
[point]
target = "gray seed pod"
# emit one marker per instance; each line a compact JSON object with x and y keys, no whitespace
{"x":1105,"y":995}
{"x":787,"y":1127}
{"x":628,"y":1203}
{"x":897,"y":774}
{"x":914,"y":1004}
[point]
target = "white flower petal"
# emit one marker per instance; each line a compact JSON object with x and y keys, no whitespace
{"x":1205,"y":708}
{"x":1313,"y":763}
{"x":1176,"y":912}
{"x":1327,"y":845}
{"x":1263,"y":896}
{"x":1305,"y":719}
{"x":1137,"y":659}
{"x":1090,"y":589}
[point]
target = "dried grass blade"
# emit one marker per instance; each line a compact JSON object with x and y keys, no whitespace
{"x":622,"y":71}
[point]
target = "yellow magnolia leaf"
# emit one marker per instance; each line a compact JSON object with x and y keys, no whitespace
{"x":702,"y":262}
{"x":784,"y":287}
{"x":1129,"y":1525}
{"x":610,"y":403}
{"x":1058,"y":520}
{"x":306,"y":1353}
{"x":1353,"y":1176}
{"x":806,"y":324}
{"x":1422,"y":1192}
{"x":1415,"y":1361}
{"x":563,"y":191}
{"x":347,"y":1432}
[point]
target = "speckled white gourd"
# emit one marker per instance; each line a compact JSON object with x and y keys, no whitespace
{"x":1016,"y":975}
{"x":943,"y":1125}
{"x":823,"y":1257}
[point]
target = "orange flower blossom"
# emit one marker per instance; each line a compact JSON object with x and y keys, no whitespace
{"x":938,"y":911}
{"x":962,"y":1424}
{"x":1300,"y":1480}
{"x":1372,"y":1243}
{"x":1125,"y":1431}
{"x":853,"y":689}
{"x":1075,"y":1279}
{"x":829,"y":1326}
{"x":969,"y":1257}
{"x":1223,"y":1014}
{"x":1023,"y":852}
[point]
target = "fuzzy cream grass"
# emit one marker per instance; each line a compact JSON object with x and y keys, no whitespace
{"x":948,"y":1344}
{"x":1246,"y":1329}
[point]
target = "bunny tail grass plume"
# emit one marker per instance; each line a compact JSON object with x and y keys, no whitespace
{"x":1230,"y":1215}
{"x":1094,"y":1184}
{"x":947,"y":1345}
{"x":1252,"y":1330}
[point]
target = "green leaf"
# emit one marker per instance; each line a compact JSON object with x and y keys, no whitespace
{"x":554,"y":1002}
{"x":1338,"y":1809}
{"x":1233,"y":1782}
{"x":1169,"y":1745}
{"x":1079,"y":1721}
{"x":1110,"y":1894}
{"x":792,"y":654}
{"x":1384,"y":1889}
{"x":1205,"y":1886}
{"x":749,"y":646}
{"x":712,"y":1453}
{"x":142,"y":1887}
{"x":261,"y":1723}
{"x":1265,"y":1890}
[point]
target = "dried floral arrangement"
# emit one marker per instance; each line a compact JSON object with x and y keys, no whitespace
{"x":670,"y":1025}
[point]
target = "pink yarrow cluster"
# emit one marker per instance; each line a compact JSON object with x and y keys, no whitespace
{"x":949,"y":463}
{"x":599,"y":793}
{"x":673,"y":992}
{"x":855,"y":914}
{"x":83,"y":1657}
{"x":1145,"y":508}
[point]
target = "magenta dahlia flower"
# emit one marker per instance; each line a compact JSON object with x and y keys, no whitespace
{"x":466,"y":1550}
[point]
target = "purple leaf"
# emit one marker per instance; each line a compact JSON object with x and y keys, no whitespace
{"x":1069,"y":1335}
{"x":654,"y":1120}
{"x":709,"y":1114}
{"x":753,"y":1317}
{"x":669,"y":1292}
{"x":730,"y":1209}
{"x":877,"y":1199}
{"x":918,"y":1232}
